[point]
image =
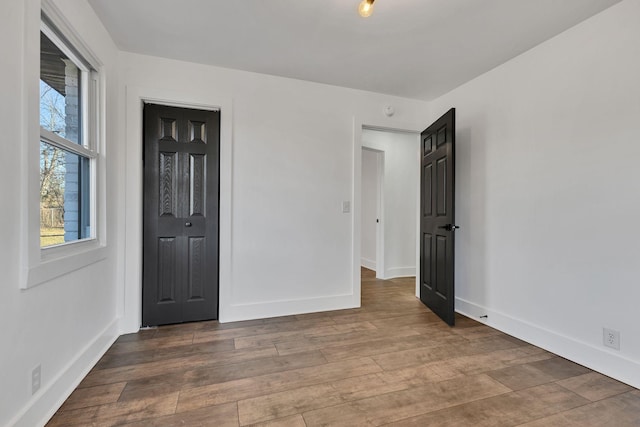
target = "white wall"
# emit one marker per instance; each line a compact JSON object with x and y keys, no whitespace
{"x":64,"y":324}
{"x":369,"y":211}
{"x":400,"y":201}
{"x":548,"y":193}
{"x":288,"y":161}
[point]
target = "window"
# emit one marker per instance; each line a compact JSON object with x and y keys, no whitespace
{"x":63,"y":215}
{"x":67,"y":143}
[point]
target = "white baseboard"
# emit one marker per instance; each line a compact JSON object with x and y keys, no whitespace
{"x":239,"y":312}
{"x":52,"y":395}
{"x":389,"y":273}
{"x":602,"y":360}
{"x":367,"y":263}
{"x":392,"y":273}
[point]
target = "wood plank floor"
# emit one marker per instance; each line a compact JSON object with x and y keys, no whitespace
{"x":391,"y":362}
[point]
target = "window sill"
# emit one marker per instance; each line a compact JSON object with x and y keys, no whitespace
{"x":64,"y":260}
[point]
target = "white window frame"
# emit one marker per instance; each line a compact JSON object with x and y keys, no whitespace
{"x":42,"y":264}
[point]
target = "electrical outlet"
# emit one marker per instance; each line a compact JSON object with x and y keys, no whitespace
{"x":35,"y":379}
{"x":611,"y":338}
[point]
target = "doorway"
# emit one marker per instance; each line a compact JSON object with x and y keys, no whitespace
{"x":180,"y":215}
{"x":443,"y":136}
{"x":389,"y":202}
{"x":372,"y":245}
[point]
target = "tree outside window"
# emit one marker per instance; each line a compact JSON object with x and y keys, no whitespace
{"x":65,"y":159}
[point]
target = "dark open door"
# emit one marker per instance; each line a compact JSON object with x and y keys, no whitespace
{"x":181,"y":198}
{"x":437,"y":215}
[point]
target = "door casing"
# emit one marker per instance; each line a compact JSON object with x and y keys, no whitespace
{"x":130,"y":294}
{"x":390,"y":125}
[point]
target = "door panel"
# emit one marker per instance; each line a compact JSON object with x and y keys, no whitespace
{"x":427,"y":183}
{"x":441,"y":187}
{"x":426,"y":254}
{"x":427,"y":144}
{"x":441,"y":266}
{"x":197,"y":268}
{"x":181,"y":212}
{"x":437,"y":216}
{"x":168,"y":187}
{"x":196,"y":182}
{"x":166,"y":270}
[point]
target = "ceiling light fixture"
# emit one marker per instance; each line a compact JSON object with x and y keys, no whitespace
{"x":365,"y":8}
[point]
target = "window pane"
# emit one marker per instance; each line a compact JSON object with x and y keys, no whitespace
{"x":65,"y":212}
{"x":60,"y":109}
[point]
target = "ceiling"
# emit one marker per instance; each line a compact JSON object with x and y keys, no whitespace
{"x":412,"y":48}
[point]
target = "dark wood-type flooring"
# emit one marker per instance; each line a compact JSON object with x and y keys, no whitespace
{"x":391,"y":362}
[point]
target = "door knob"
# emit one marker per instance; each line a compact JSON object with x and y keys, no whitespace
{"x":187,"y":224}
{"x":449,"y":227}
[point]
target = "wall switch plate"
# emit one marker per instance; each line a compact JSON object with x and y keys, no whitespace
{"x":36,"y":379}
{"x":611,"y":338}
{"x":346,"y":206}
